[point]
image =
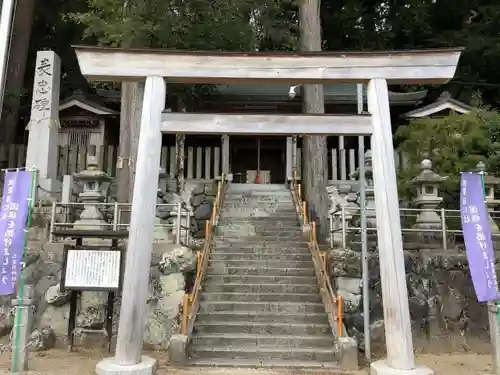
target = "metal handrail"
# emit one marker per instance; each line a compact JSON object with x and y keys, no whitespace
{"x":447,"y":217}
{"x":113,"y":211}
{"x":333,"y":305}
{"x":191,"y":302}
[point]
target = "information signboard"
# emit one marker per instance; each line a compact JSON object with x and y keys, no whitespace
{"x":92,"y":268}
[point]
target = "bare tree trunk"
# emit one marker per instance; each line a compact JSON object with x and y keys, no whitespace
{"x":21,"y":35}
{"x":135,"y":129}
{"x":314,"y":150}
{"x":130,"y":121}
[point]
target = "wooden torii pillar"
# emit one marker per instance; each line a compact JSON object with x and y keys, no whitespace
{"x":377,"y":69}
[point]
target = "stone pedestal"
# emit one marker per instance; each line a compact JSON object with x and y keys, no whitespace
{"x":108,"y":366}
{"x":95,"y":183}
{"x":382,"y":368}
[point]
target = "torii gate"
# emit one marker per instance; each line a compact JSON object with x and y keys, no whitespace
{"x":377,"y":69}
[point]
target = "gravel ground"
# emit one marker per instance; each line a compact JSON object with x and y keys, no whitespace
{"x":82,"y":362}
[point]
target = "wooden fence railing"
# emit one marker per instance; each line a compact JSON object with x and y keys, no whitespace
{"x":201,"y":163}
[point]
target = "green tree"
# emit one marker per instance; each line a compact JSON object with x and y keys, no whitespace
{"x":454,"y":144}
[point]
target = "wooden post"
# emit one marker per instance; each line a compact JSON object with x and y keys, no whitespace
{"x":136,"y":278}
{"x":289,"y":157}
{"x":190,"y":165}
{"x":216,"y":162}
{"x":199,"y":156}
{"x":390,"y":245}
{"x":343,"y":161}
{"x":208,"y":162}
{"x":173,"y":161}
{"x":225,"y":154}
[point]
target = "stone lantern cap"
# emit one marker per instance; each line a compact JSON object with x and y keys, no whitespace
{"x":488,"y":179}
{"x":92,"y":173}
{"x":427,"y":175}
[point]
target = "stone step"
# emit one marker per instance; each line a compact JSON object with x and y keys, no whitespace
{"x":321,"y":368}
{"x":260,"y":297}
{"x":257,"y":328}
{"x":275,"y":248}
{"x":241,"y":214}
{"x":271,"y":208}
{"x":275,"y":239}
{"x":282,"y":196}
{"x":262,"y":341}
{"x":263,"y":317}
{"x":266,"y":353}
{"x":262,"y":307}
{"x":260,"y":288}
{"x":244,"y":213}
{"x":238,"y":279}
{"x":252,"y":233}
{"x":282,"y":208}
{"x":265,"y":220}
{"x":259,"y":202}
{"x":243,"y":270}
{"x":262,"y":264}
{"x":219,"y":255}
{"x":261,"y":190}
{"x":259,"y":227}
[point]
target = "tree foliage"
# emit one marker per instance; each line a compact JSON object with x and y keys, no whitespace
{"x":454,"y":144}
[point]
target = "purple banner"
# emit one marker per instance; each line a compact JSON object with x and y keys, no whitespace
{"x":13,"y":216}
{"x":477,"y":237}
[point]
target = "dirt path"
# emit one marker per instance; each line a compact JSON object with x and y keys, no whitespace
{"x":59,"y":362}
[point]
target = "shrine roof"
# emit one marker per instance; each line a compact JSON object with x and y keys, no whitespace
{"x":80,"y":101}
{"x":444,"y":102}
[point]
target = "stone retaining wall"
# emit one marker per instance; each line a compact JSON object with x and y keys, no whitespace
{"x":169,"y":265}
{"x":442,"y":300}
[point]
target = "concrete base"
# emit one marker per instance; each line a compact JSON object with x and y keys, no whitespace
{"x":348,"y":353}
{"x":178,"y":349}
{"x":381,"y":368}
{"x":108,"y":366}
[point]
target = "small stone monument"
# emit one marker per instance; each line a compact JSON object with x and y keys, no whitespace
{"x":490,"y":183}
{"x":162,"y":232}
{"x":95,"y":183}
{"x":371,"y":214}
{"x":428,"y":221}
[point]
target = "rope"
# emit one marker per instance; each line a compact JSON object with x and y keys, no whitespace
{"x":17,"y":326}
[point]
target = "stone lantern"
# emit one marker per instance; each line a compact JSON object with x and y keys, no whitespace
{"x":490,"y":184}
{"x":427,"y":183}
{"x":95,"y":183}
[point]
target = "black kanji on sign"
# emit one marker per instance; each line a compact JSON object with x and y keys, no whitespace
{"x":42,"y":104}
{"x":43,"y":87}
{"x":44,"y":67}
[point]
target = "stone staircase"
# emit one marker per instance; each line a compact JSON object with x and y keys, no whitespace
{"x":260,"y":305}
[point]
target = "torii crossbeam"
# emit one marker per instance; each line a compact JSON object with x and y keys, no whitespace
{"x":377,"y":69}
